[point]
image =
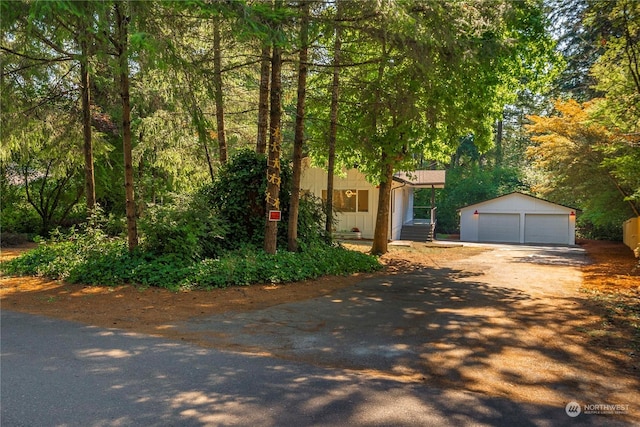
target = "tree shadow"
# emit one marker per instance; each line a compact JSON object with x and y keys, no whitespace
{"x":444,"y":327}
{"x":62,"y":373}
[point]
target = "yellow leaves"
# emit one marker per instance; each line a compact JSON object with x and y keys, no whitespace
{"x":574,"y":149}
{"x":570,"y":132}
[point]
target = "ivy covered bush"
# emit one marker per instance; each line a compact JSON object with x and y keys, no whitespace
{"x":211,"y":238}
{"x":106,"y":261}
{"x":187,"y":228}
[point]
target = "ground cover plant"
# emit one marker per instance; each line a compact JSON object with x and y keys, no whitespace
{"x":208,"y":239}
{"x":110,"y":263}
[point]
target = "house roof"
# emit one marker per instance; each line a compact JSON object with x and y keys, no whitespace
{"x":422,"y":178}
{"x":522,"y":194}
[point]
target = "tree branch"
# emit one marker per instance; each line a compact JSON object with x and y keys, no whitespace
{"x":33,"y":58}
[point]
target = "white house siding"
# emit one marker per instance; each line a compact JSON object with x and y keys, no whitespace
{"x":401,"y":206}
{"x":314,"y":180}
{"x":538,"y":221}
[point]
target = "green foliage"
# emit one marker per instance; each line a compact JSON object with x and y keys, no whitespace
{"x":311,"y":220}
{"x":237,"y":195}
{"x":186,"y":228}
{"x":466,"y":186}
{"x":585,"y":164}
{"x":19,"y":218}
{"x":91,"y":258}
{"x":249,"y":265}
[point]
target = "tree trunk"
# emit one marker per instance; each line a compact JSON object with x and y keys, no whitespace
{"x":333,"y":125}
{"x":381,"y":233}
{"x":204,"y":141}
{"x":263,"y":103}
{"x":298,"y":141}
{"x":123,"y":57}
{"x":273,"y":162}
{"x":217,"y":83}
{"x":89,"y":178}
{"x":499,"y":130}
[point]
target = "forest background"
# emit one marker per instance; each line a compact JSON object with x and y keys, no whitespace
{"x":180,"y":124}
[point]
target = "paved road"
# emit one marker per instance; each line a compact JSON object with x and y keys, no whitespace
{"x":58,"y":373}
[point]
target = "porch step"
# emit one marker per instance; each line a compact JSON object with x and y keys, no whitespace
{"x":418,"y":233}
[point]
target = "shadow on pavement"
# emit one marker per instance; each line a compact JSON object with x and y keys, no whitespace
{"x":62,"y":373}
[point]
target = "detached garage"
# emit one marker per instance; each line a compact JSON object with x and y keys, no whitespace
{"x":518,"y":218}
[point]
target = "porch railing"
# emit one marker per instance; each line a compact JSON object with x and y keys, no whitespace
{"x":423,"y":215}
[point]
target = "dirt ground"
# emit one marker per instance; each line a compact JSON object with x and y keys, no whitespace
{"x":612,"y":279}
{"x":146,"y":309}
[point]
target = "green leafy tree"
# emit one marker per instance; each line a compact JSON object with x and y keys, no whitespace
{"x":47,"y":165}
{"x":42,"y":36}
{"x":428,"y":73}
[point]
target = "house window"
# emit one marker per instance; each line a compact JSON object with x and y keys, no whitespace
{"x":349,"y":200}
{"x":363,"y":200}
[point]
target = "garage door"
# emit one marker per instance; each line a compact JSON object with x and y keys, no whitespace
{"x":499,"y":228}
{"x":552,"y":229}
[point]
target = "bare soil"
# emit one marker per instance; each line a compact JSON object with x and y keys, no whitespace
{"x":612,"y":280}
{"x":612,"y":271}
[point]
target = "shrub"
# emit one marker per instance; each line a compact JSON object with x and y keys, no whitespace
{"x":311,"y":222}
{"x":237,"y":195}
{"x":108,"y":262}
{"x":187,"y":228}
{"x":249,"y":265}
{"x":19,"y":218}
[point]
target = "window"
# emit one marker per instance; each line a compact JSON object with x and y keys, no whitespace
{"x":349,"y":200}
{"x":363,"y":200}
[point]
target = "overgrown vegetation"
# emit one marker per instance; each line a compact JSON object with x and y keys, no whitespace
{"x":91,"y":259}
{"x":208,"y":239}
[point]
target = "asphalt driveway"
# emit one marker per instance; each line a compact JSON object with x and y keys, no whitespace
{"x":507,"y":322}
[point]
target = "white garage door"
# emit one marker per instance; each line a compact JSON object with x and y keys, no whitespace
{"x":546,"y":229}
{"x":499,"y":228}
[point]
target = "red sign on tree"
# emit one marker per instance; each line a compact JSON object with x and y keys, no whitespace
{"x":275,"y":215}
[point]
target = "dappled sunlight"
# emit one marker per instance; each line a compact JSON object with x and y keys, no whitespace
{"x":213,"y":409}
{"x":113,"y":353}
{"x":467,"y":321}
{"x":13,"y":285}
{"x":449,"y":328}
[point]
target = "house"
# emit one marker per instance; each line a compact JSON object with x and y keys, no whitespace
{"x":355,"y":201}
{"x":518,"y":218}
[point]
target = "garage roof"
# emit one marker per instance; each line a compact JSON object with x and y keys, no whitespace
{"x":521,"y":193}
